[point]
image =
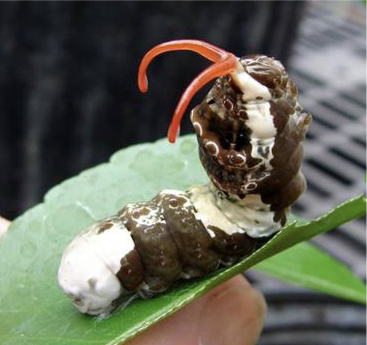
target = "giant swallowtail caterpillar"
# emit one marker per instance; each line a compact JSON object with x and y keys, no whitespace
{"x":250,"y":129}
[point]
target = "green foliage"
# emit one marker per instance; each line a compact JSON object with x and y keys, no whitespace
{"x":33,"y":310}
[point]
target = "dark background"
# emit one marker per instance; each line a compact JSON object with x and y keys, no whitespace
{"x":68,"y":92}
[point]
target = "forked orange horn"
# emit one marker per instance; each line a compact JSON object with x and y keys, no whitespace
{"x":224,"y":63}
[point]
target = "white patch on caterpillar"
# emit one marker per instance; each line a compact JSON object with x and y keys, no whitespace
{"x":178,"y":193}
{"x":207,"y":211}
{"x":263,"y":132}
{"x":211,"y":233}
{"x":220,"y":111}
{"x":153,"y":216}
{"x":250,"y":87}
{"x":175,"y":192}
{"x":260,"y":120}
{"x":263,"y":150}
{"x":249,"y":215}
{"x":89,"y":264}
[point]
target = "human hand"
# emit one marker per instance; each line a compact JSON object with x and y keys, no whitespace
{"x":230,"y":314}
{"x":4,"y":224}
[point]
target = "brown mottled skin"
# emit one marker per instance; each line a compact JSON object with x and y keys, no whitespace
{"x":280,"y":186}
{"x":250,"y":129}
{"x":177,"y":245}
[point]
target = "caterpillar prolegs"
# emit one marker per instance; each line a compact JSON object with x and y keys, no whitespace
{"x":250,"y":129}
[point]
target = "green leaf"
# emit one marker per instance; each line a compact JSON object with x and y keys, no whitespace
{"x":33,"y":310}
{"x":310,"y":267}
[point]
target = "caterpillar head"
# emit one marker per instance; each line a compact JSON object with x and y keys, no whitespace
{"x":252,"y":102}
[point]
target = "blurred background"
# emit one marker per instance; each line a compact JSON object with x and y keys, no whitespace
{"x":69,"y":99}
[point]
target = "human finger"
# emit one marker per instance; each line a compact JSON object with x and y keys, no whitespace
{"x":232,"y":313}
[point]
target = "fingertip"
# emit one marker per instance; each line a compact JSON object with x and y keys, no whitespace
{"x":234,"y":316}
{"x":238,"y":281}
{"x":229,"y":314}
{"x":4,"y":225}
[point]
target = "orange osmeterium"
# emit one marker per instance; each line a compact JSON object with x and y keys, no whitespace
{"x":224,"y":63}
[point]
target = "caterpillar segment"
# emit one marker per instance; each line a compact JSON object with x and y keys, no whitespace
{"x":250,"y":129}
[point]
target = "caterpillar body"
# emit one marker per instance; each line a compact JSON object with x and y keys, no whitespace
{"x":250,"y":129}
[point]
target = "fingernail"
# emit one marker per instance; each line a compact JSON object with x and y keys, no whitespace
{"x":233,"y":317}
